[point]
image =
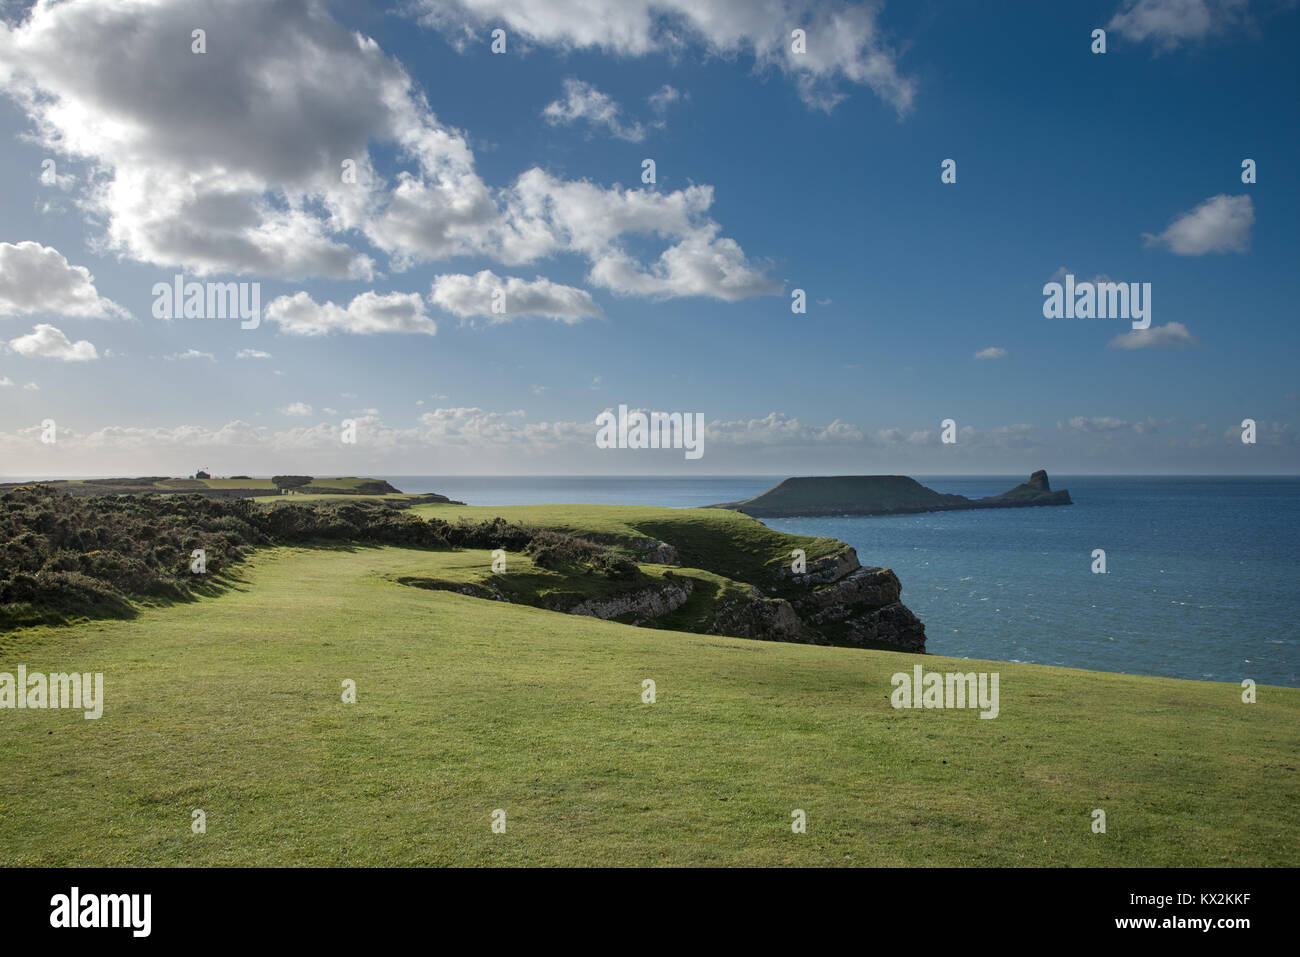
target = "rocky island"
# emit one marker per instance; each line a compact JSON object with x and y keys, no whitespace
{"x":883,"y":495}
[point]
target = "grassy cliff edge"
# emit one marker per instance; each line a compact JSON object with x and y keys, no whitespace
{"x":231,"y":703}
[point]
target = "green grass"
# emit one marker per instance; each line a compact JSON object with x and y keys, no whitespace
{"x":232,"y":704}
{"x":526,"y":583}
{"x":346,"y":482}
{"x":301,"y":497}
{"x":350,"y":482}
{"x":724,"y":542}
{"x":235,"y":483}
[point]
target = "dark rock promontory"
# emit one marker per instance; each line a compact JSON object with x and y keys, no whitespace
{"x":884,"y":495}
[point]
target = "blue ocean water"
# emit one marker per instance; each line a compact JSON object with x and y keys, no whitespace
{"x":1202,"y":581}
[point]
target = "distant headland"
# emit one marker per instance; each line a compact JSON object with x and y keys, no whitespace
{"x":883,"y":495}
{"x":236,"y":486}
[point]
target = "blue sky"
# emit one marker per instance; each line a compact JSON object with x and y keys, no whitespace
{"x":775,"y":171}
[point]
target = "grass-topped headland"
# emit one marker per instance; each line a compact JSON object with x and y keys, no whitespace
{"x":238,"y":486}
{"x":884,"y":495}
{"x":64,"y":556}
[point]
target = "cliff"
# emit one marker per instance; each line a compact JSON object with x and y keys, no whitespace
{"x":716,"y":573}
{"x":884,"y":495}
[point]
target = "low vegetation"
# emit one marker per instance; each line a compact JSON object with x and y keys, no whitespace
{"x":236,"y":486}
{"x":63,"y":556}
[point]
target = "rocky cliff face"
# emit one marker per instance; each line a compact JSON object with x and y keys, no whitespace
{"x":851,"y":604}
{"x":758,"y":617}
{"x":845,"y":604}
{"x":643,"y":605}
{"x":834,"y":601}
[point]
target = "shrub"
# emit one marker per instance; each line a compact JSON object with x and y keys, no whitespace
{"x":62,"y":554}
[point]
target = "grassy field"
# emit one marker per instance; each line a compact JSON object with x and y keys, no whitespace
{"x":232,"y":705}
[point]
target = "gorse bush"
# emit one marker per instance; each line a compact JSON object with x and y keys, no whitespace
{"x":553,"y":550}
{"x":62,"y":555}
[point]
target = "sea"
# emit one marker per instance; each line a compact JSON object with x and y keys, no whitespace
{"x":1201,"y":581}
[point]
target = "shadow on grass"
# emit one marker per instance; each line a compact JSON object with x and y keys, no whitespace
{"x":68,"y":610}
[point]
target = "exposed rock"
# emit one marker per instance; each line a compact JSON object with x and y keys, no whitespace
{"x":862,"y":607}
{"x":828,"y":568}
{"x":646,"y":604}
{"x":653,"y":552}
{"x":753,"y":616}
{"x":894,"y":624}
{"x":870,"y":587}
{"x":1037,"y":491}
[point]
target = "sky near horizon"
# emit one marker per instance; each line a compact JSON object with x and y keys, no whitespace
{"x":457,"y":251}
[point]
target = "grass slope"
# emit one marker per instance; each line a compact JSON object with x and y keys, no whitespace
{"x":527,"y":583}
{"x":232,"y":705}
{"x":724,"y":542}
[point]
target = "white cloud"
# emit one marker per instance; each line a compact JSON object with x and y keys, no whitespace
{"x":777,"y":428}
{"x":1220,"y":224}
{"x":38,"y":279}
{"x":6,"y":382}
{"x":1097,"y":424}
{"x":661,"y":99}
{"x":192,"y":354}
{"x":474,"y":438}
{"x":252,"y":354}
{"x":1019,"y":435}
{"x":47,"y":342}
{"x":216,"y":168}
{"x":542,"y":216}
{"x":1170,"y":335}
{"x":234,"y":164}
{"x":844,"y":41}
{"x":1150,"y":424}
{"x":584,"y":102}
{"x":467,"y":296}
{"x":1171,"y":23}
{"x":31,"y":387}
{"x":548,"y":215}
{"x":366,"y":314}
{"x":992,"y":352}
{"x":1266,"y":434}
